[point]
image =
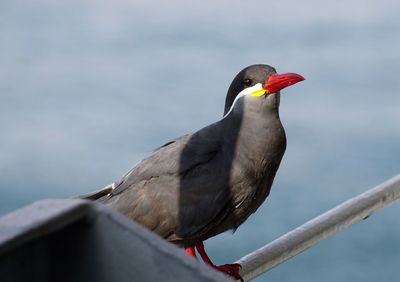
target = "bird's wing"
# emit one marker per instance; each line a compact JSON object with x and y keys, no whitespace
{"x":184,"y":180}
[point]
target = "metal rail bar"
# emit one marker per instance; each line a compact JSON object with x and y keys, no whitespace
{"x":319,"y":228}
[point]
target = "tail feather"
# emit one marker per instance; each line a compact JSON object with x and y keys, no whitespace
{"x":97,"y":194}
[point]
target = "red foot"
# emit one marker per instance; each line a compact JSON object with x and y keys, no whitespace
{"x":231,"y":269}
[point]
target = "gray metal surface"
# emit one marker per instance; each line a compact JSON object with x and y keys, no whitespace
{"x":319,"y":228}
{"x":76,"y":240}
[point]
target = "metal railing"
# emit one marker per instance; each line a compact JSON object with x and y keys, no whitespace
{"x":319,"y":228}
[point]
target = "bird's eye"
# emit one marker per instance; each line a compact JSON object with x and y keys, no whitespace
{"x":248,"y":82}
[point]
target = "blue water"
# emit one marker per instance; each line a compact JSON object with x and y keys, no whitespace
{"x":89,"y":88}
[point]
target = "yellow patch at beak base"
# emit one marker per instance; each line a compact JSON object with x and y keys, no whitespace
{"x":258,"y":92}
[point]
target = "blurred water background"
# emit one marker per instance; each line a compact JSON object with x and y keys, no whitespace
{"x":88,"y":88}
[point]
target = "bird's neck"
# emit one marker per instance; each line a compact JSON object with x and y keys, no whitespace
{"x":256,"y":131}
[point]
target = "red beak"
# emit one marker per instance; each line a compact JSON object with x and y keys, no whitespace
{"x":276,"y":82}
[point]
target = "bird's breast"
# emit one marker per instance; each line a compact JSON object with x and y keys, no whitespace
{"x":258,"y":155}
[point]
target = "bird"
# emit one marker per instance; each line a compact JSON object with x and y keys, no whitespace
{"x":204,"y":183}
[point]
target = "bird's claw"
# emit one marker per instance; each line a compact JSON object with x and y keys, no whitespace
{"x":232,"y":270}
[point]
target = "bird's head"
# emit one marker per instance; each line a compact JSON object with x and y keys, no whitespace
{"x":259,"y":80}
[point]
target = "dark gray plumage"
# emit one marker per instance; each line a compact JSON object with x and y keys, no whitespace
{"x":207,"y":182}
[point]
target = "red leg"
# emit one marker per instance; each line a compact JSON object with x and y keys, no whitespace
{"x":190,"y":251}
{"x":230,"y":269}
{"x":203,"y":254}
